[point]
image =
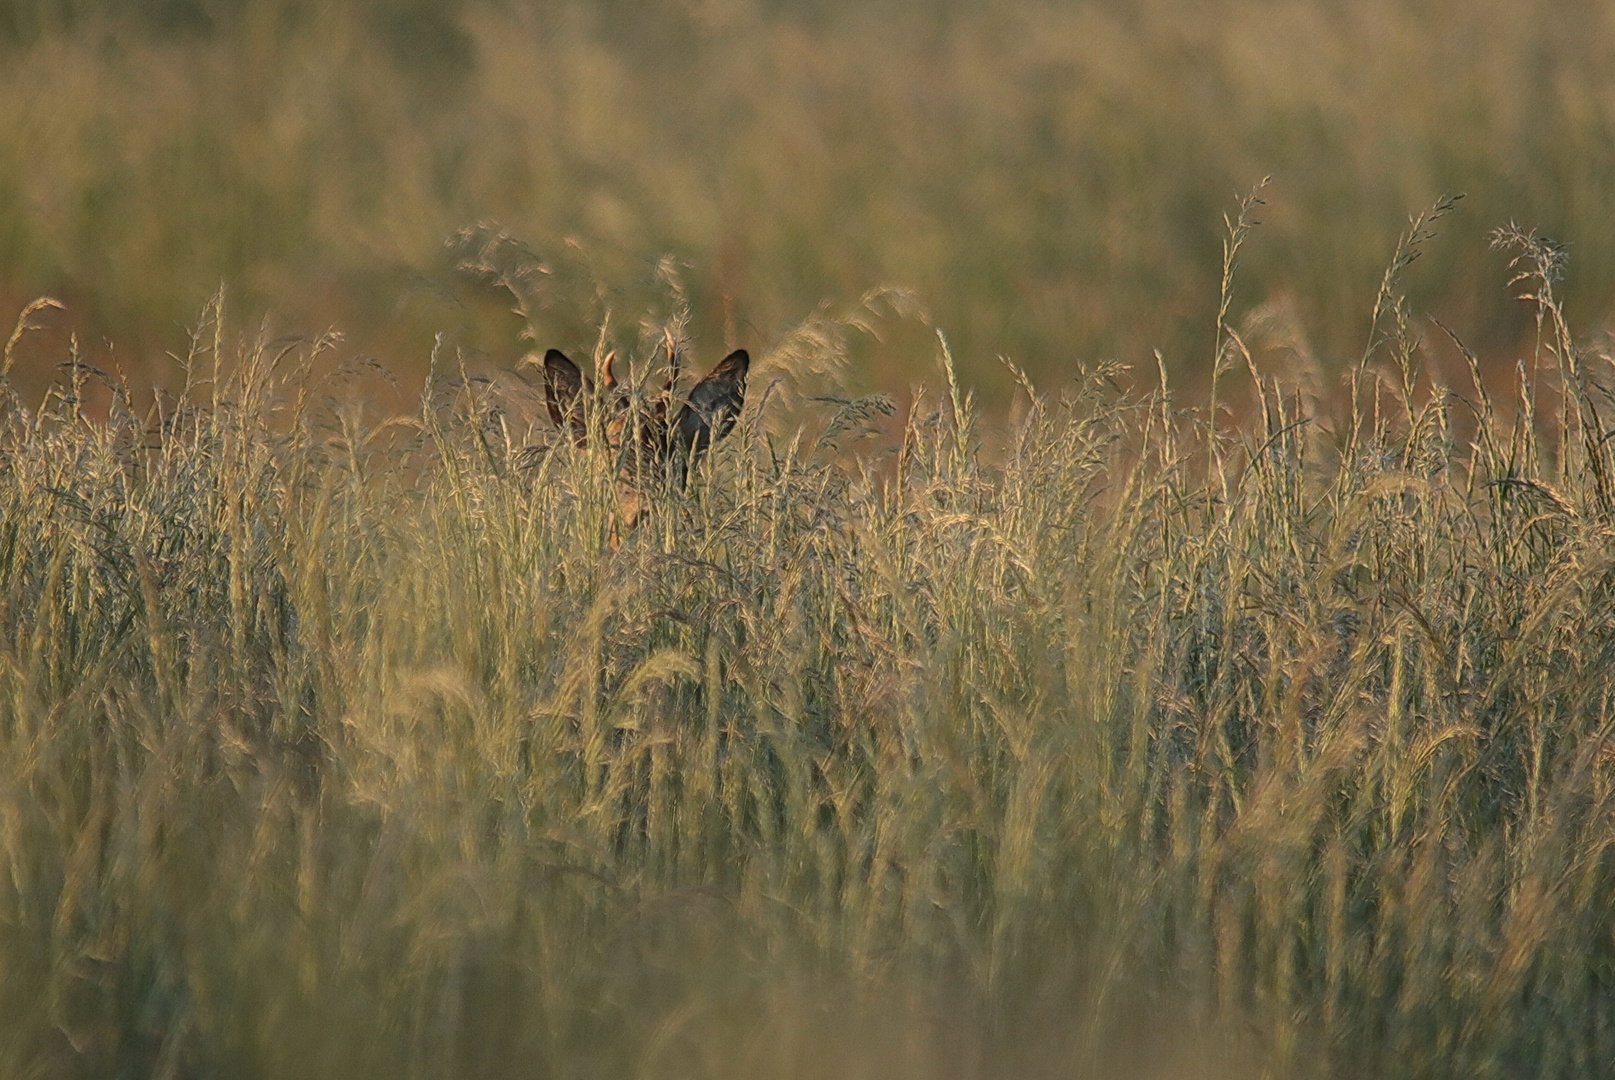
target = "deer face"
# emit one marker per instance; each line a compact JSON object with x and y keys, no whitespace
{"x":664,"y":447}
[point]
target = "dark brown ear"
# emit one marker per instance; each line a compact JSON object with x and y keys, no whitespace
{"x":713,"y":406}
{"x":563,"y":392}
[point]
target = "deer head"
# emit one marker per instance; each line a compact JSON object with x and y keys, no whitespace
{"x":665,"y":447}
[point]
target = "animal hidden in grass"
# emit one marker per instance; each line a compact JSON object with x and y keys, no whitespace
{"x":653,"y":442}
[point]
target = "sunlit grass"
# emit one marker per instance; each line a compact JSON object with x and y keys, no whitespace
{"x":1094,"y":746}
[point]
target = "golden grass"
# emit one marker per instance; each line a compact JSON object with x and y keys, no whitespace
{"x":330,"y":747}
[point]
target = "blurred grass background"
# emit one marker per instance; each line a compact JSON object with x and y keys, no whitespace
{"x":1048,"y":177}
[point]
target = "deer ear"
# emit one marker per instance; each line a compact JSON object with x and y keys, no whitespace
{"x":714,"y":405}
{"x":563,"y":391}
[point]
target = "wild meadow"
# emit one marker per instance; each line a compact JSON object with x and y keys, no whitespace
{"x":1219,"y":686}
{"x":1128,"y":736}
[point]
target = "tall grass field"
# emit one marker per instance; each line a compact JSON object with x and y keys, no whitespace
{"x":1260,"y":733}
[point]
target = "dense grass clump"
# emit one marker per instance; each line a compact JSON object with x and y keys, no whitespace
{"x":1105,"y":745}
